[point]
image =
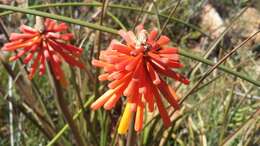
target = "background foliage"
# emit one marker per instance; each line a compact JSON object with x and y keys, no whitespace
{"x":223,"y":110}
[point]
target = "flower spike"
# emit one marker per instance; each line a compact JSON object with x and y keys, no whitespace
{"x":136,"y":69}
{"x":47,"y":46}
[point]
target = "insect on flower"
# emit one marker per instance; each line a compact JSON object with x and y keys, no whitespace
{"x":46,"y":45}
{"x":136,"y":70}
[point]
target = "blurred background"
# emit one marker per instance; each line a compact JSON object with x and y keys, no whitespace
{"x":223,"y":110}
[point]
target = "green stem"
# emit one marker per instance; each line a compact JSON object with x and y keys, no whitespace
{"x":59,"y":17}
{"x":116,"y":20}
{"x":96,"y":4}
{"x":113,"y":31}
{"x":221,"y":67}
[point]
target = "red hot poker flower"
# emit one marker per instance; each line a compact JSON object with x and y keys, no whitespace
{"x":48,"y":45}
{"x":136,"y":70}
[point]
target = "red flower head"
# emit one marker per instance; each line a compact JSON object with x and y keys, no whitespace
{"x":48,"y":45}
{"x":136,"y":70}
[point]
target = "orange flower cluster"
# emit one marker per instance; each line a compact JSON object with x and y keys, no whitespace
{"x":136,"y":69}
{"x":48,"y":45}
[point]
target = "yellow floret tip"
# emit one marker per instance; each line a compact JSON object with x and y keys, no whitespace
{"x":125,"y":120}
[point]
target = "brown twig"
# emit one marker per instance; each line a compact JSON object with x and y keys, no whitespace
{"x":168,"y":19}
{"x":216,"y":42}
{"x":216,"y":65}
{"x":213,"y":68}
{"x":139,"y":16}
{"x":98,"y":44}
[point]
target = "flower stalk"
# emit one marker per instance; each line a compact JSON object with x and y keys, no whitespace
{"x":63,"y":104}
{"x":131,"y":133}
